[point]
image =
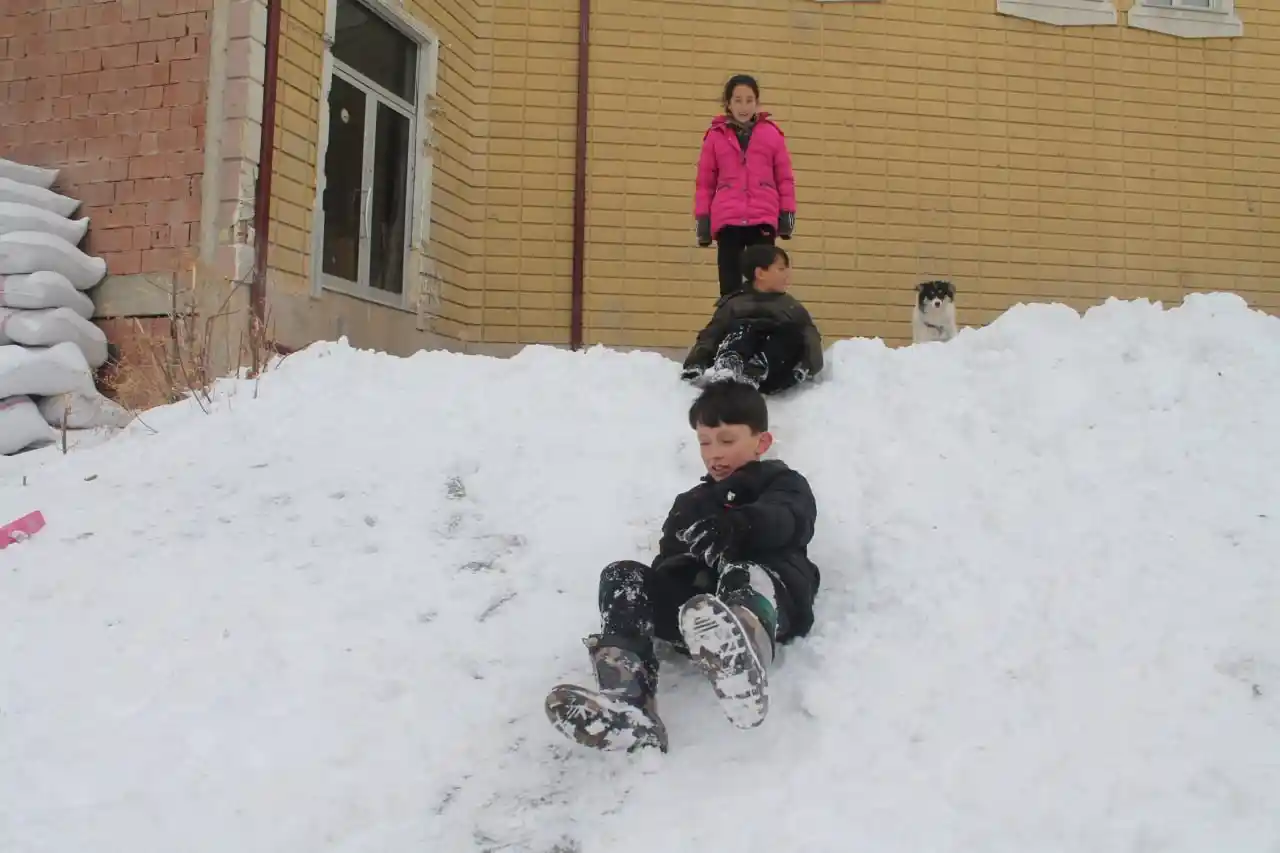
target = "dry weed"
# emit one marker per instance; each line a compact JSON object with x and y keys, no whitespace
{"x":181,"y":355}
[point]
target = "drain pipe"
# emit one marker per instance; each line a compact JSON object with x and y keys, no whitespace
{"x":580,"y":177}
{"x":262,"y":193}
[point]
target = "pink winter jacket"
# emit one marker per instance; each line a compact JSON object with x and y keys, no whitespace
{"x":744,"y":190}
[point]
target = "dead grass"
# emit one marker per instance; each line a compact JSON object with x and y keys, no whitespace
{"x":205,"y":336}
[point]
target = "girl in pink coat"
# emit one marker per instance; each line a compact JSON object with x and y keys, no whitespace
{"x":746,"y":191}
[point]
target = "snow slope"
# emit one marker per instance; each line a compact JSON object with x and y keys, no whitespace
{"x":325,"y":619}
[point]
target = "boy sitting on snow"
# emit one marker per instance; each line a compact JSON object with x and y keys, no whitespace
{"x":760,"y":334}
{"x":731,"y":579}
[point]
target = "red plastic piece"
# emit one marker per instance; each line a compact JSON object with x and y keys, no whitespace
{"x":16,"y":531}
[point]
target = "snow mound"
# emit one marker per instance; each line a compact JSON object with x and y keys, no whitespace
{"x":325,"y":619}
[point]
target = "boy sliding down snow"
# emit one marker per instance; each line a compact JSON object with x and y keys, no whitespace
{"x":760,"y":334}
{"x":731,"y":579}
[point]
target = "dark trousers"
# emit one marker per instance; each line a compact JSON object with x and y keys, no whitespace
{"x":730,"y":242}
{"x":639,"y":603}
{"x":771,"y":355}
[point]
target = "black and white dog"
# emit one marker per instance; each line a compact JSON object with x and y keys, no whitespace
{"x":934,"y":316}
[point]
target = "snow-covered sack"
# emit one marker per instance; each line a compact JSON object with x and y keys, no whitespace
{"x":49,"y":326}
{"x":16,"y":191}
{"x":83,"y":410}
{"x":33,"y":251}
{"x":22,"y":425}
{"x":24,"y":174}
{"x":42,"y":372}
{"x":44,"y":289}
{"x":15,"y":216}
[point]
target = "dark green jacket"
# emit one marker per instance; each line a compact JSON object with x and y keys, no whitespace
{"x":764,"y":311}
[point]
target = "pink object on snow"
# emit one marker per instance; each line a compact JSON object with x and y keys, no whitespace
{"x":734,"y":189}
{"x":15,"y":531}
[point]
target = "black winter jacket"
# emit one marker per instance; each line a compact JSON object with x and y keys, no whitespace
{"x":781,"y":513}
{"x":764,"y":311}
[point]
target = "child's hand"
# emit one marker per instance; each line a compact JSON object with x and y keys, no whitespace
{"x":703,"y":231}
{"x":714,"y":537}
{"x":690,"y":373}
{"x":786,"y":225}
{"x":800,"y":373}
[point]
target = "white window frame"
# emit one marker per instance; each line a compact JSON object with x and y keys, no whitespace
{"x":1062,"y":13}
{"x":420,"y":167}
{"x":1219,"y":21}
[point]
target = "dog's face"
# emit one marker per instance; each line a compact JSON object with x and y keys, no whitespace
{"x":932,"y":295}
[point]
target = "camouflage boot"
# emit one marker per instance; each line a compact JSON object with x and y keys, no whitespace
{"x":622,"y":713}
{"x":731,"y":639}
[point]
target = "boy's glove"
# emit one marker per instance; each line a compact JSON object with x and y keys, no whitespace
{"x":703,"y":230}
{"x":800,"y":373}
{"x":786,"y":225}
{"x":715,"y":537}
{"x":690,"y":373}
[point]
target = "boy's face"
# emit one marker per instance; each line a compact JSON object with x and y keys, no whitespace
{"x":774,"y":278}
{"x":728,"y":447}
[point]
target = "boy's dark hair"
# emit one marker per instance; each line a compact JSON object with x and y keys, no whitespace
{"x":739,"y":80}
{"x":730,"y":403}
{"x":760,"y":256}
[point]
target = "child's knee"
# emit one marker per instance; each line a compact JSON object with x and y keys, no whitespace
{"x":763,"y":583}
{"x":743,"y":575}
{"x":624,"y":574}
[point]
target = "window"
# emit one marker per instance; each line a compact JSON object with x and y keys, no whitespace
{"x":1062,"y":13}
{"x":372,"y":147}
{"x":1187,"y":18}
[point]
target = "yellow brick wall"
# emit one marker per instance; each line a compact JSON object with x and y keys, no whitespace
{"x":930,"y":138}
{"x":461,"y":89}
{"x":526,"y":244}
{"x":461,"y":84}
{"x":293,"y":182}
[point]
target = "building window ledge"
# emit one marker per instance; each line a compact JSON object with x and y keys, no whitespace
{"x":1062,"y":13}
{"x":1187,"y":23}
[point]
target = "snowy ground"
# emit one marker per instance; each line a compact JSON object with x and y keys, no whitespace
{"x":325,"y":619}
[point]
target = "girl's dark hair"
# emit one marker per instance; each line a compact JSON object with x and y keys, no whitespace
{"x":761,"y":255}
{"x":739,"y":80}
{"x":730,"y":403}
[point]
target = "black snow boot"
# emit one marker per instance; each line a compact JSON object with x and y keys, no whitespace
{"x":622,"y":712}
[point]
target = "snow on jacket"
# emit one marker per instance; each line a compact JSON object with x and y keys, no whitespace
{"x":744,"y":187}
{"x":765,"y":311}
{"x":780,"y":513}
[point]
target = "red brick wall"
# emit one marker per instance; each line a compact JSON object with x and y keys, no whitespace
{"x":113,"y":93}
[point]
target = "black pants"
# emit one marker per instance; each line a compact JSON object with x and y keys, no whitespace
{"x":638,"y":603}
{"x":776,"y":351}
{"x":730,"y":242}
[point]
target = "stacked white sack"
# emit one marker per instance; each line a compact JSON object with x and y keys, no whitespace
{"x":32,"y":176}
{"x":45,"y":327}
{"x":49,"y":346}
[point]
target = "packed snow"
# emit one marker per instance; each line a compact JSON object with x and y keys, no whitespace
{"x":324,"y":616}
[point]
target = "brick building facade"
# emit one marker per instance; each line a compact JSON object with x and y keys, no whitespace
{"x":119,"y":96}
{"x":114,"y":95}
{"x":1064,"y":150}
{"x":425,"y":161}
